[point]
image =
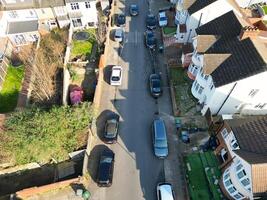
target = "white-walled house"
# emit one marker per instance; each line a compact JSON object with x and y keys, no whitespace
{"x":82,"y":13}
{"x":193,"y":14}
{"x":242,"y":150}
{"x":20,"y":26}
{"x":229,"y":67}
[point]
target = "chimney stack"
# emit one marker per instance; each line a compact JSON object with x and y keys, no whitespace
{"x":249,"y":32}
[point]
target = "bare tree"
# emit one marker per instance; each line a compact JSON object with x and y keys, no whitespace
{"x":43,"y":64}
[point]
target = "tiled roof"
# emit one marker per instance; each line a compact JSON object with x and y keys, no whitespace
{"x":28,"y":4}
{"x":251,"y":135}
{"x":212,"y":61}
{"x":227,"y":25}
{"x":198,"y":5}
{"x":22,"y":27}
{"x":247,"y":57}
{"x":204,"y":42}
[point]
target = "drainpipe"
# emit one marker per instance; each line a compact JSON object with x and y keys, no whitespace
{"x":199,"y":19}
{"x":226,"y":98}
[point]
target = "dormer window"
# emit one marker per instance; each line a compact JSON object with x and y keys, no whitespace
{"x":224,"y":133}
{"x":234,"y":144}
{"x":74,"y":6}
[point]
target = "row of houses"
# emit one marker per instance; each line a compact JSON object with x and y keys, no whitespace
{"x":227,"y":62}
{"x":21,"y":21}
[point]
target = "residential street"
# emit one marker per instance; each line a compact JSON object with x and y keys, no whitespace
{"x":137,"y":171}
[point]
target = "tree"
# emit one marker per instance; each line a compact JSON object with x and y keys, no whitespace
{"x":43,"y":63}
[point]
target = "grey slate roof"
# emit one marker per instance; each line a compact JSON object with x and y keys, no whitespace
{"x":22,"y":27}
{"x":251,"y":135}
{"x":247,"y":56}
{"x":198,"y":5}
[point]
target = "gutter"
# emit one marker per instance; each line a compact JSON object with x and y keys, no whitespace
{"x":226,"y":98}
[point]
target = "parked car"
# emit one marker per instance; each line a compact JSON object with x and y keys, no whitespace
{"x":134,"y":10}
{"x":111,"y":131}
{"x":118,"y":36}
{"x":116,"y":75}
{"x":105,"y":169}
{"x":165,"y":191}
{"x":155,"y":85}
{"x":159,"y":138}
{"x":150,"y":39}
{"x":185,"y":136}
{"x":151,"y":21}
{"x":121,"y":20}
{"x":162,"y":19}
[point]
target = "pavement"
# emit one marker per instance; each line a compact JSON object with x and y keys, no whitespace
{"x":137,"y":171}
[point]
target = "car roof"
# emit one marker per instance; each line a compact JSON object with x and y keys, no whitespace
{"x":118,"y":31}
{"x":166,"y":191}
{"x":116,"y":70}
{"x":160,"y":131}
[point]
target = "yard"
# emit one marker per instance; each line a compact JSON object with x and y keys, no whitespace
{"x":11,"y":87}
{"x":82,"y":45}
{"x":169,"y":30}
{"x":182,"y":88}
{"x":202,"y":176}
{"x":264,"y":9}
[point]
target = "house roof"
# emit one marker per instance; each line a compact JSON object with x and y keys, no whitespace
{"x":74,"y":1}
{"x":248,"y":56}
{"x":198,"y":5}
{"x":22,"y":27}
{"x":204,"y":42}
{"x":251,"y":135}
{"x":227,"y":25}
{"x":212,"y":61}
{"x":259,"y":178}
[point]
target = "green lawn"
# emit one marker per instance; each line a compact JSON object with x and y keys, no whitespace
{"x":83,"y":48}
{"x":169,"y":30}
{"x":11,"y":88}
{"x":201,"y":182}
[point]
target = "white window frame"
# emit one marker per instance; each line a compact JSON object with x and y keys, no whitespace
{"x":224,"y":133}
{"x":87,"y":4}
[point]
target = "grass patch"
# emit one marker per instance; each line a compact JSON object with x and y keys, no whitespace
{"x":83,"y":48}
{"x":264,"y":9}
{"x":11,"y":87}
{"x":169,"y":30}
{"x":201,"y":182}
{"x":38,"y":135}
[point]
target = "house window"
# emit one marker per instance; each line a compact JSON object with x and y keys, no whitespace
{"x":87,"y":4}
{"x":238,"y":167}
{"x":74,"y":6}
{"x":77,"y":22}
{"x":228,"y":183}
{"x":206,"y":77}
{"x":241,"y":174}
{"x":200,"y":90}
{"x":226,"y":176}
{"x":237,"y":196}
{"x":91,"y":23}
{"x":260,"y":105}
{"x":224,"y":133}
{"x":232,"y":189}
{"x":197,"y":86}
{"x":245,"y":182}
{"x":234,"y":144}
{"x":253,"y":92}
{"x":43,"y":11}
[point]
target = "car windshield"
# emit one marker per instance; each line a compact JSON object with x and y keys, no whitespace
{"x":134,"y":7}
{"x":111,"y":128}
{"x":162,"y":18}
{"x":161,"y":143}
{"x":115,"y":78}
{"x":121,"y":18}
{"x":106,"y":160}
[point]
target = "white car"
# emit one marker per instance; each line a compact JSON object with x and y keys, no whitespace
{"x":165,"y":191}
{"x":162,"y":19}
{"x":116,"y":75}
{"x":118,"y":37}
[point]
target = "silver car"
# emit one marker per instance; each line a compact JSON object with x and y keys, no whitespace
{"x":118,"y":37}
{"x":165,"y":191}
{"x":159,"y":137}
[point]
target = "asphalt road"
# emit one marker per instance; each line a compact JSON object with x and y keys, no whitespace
{"x":137,"y":171}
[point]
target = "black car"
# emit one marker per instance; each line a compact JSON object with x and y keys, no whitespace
{"x":155,"y":85}
{"x":151,"y":21}
{"x":150,"y":39}
{"x":111,"y":131}
{"x":134,"y":10}
{"x":121,"y":20}
{"x":105,"y":169}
